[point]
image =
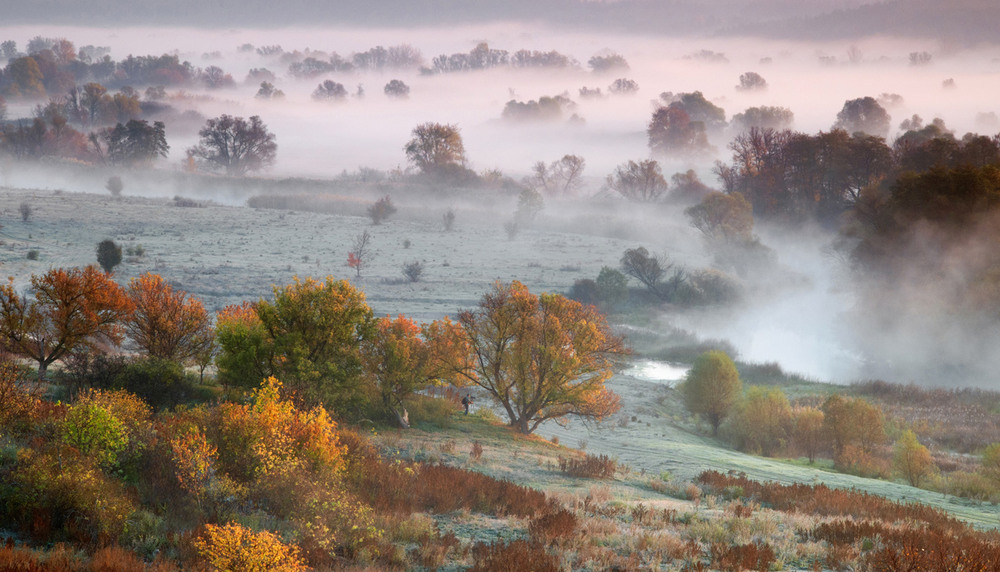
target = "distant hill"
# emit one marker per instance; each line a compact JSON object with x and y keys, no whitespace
{"x":963,"y":20}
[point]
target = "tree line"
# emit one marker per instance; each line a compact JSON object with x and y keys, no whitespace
{"x":539,"y":357}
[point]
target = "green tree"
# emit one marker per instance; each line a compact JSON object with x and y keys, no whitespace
{"x":911,"y":459}
{"x":109,"y":255}
{"x":310,"y":336}
{"x":612,"y":287}
{"x":863,"y":114}
{"x":136,"y":142}
{"x":712,"y":387}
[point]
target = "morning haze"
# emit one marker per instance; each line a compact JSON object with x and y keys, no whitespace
{"x":766,"y":229}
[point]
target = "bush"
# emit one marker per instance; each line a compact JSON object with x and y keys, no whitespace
{"x":160,"y":383}
{"x":233,"y":547}
{"x":518,"y":555}
{"x":413,"y":270}
{"x":381,"y":210}
{"x":32,"y":254}
{"x":114,"y":186}
{"x":448,"y":220}
{"x":590,"y":467}
{"x":109,"y":255}
{"x":26,"y":211}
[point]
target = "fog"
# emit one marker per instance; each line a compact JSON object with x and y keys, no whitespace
{"x":802,"y":319}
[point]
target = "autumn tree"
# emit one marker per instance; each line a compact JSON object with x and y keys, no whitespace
{"x":722,"y":218}
{"x":671,"y":131}
{"x":712,"y":387}
{"x":435,"y":148}
{"x":761,"y":422}
{"x":361,"y":253}
{"x":235,"y":145}
{"x":109,"y":255}
{"x":539,"y":357}
{"x":852,"y":422}
{"x":808,"y":432}
{"x":641,"y":182}
{"x":402,"y":358}
{"x":69,"y":310}
{"x":166,"y":323}
{"x":911,"y":459}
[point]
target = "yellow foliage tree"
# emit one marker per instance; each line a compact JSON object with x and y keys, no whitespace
{"x":808,"y":433}
{"x":761,"y":422}
{"x":540,"y":357}
{"x":233,"y":548}
{"x":911,"y":459}
{"x":166,"y":323}
{"x":712,"y":387}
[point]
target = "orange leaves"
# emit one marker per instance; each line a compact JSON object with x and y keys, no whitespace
{"x":166,"y":323}
{"x":542,"y":357}
{"x":71,"y":308}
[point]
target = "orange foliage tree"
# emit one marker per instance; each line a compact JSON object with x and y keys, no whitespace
{"x":72,"y":309}
{"x":166,"y":323}
{"x":402,"y":358}
{"x":233,"y":547}
{"x":540,"y":357}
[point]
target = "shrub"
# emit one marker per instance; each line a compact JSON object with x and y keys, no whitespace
{"x":552,"y":526}
{"x":109,"y":255}
{"x":590,"y":467}
{"x":233,"y":547}
{"x":114,"y":186}
{"x":381,"y":210}
{"x":160,"y":383}
{"x":517,"y":555}
{"x":413,"y":270}
{"x":448,"y":220}
{"x":32,"y":254}
{"x":477,"y":450}
{"x":95,"y":432}
{"x":26,"y":211}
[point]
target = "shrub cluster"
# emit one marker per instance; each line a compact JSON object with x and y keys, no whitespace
{"x":590,"y":467}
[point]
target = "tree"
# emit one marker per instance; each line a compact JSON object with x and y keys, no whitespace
{"x":763,"y":117}
{"x":402,"y":358}
{"x":235,"y":145}
{"x":761,"y":422}
{"x":268,"y":91}
{"x":863,"y":114}
{"x":109,"y":255}
{"x":246,"y":357}
{"x":330,"y":90}
{"x":642,"y":181}
{"x":361,"y":252}
{"x":852,"y":422}
{"x":612,"y":287}
{"x":396,"y":89}
{"x":136,"y":142}
{"x":26,"y":211}
{"x":646,"y":268}
{"x":435,"y":148}
{"x":539,"y":357}
{"x":623,"y":86}
{"x":562,"y":177}
{"x":672,"y":131}
{"x":381,"y":209}
{"x":724,"y":219}
{"x":712,"y":387}
{"x":70,"y":310}
{"x":911,"y":459}
{"x":808,"y":432}
{"x":752,"y":81}
{"x":312,"y":335}
{"x":166,"y":323}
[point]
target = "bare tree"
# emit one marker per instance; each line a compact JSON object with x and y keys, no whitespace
{"x":642,"y":181}
{"x":562,"y":177}
{"x":361,"y":252}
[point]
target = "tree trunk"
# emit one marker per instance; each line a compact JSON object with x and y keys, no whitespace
{"x":402,"y":418}
{"x":43,"y":367}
